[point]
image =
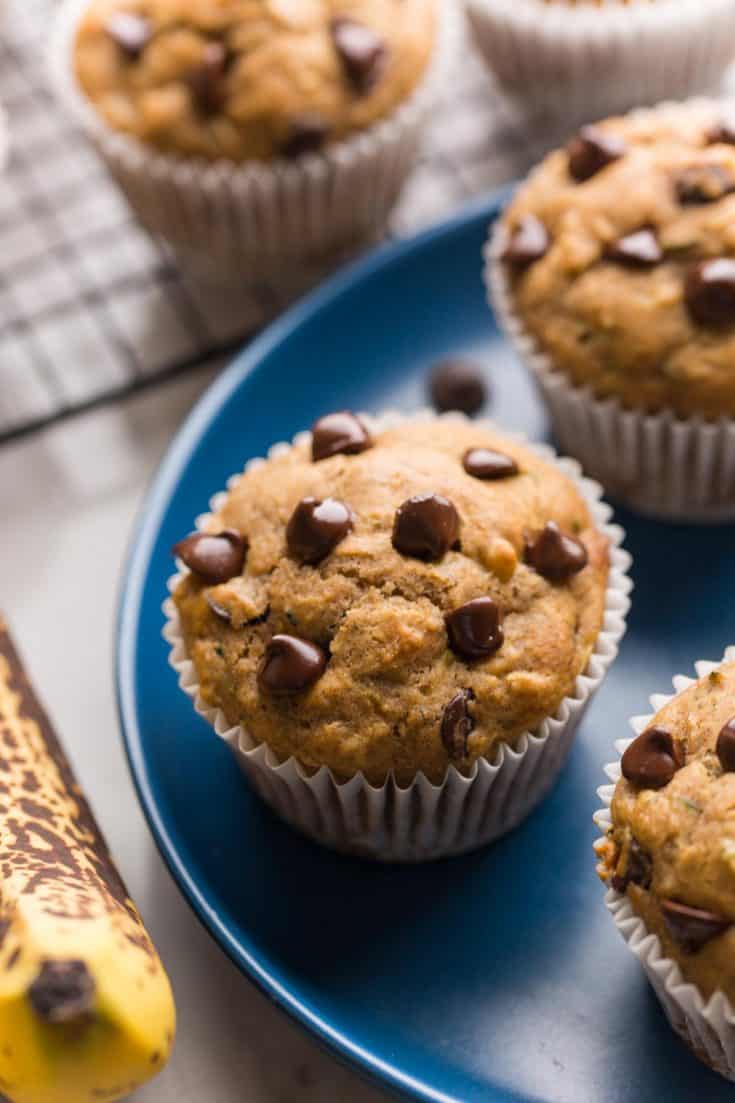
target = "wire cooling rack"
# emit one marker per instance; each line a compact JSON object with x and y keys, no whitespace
{"x":91,"y":308}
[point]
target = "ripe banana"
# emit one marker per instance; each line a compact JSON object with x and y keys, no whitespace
{"x":86,"y":1010}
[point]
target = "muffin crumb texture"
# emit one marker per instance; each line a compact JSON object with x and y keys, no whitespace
{"x":247,"y":80}
{"x":671,"y":847}
{"x":620,"y":252}
{"x":394,"y":611}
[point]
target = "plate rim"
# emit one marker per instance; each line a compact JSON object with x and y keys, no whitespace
{"x":128,"y":608}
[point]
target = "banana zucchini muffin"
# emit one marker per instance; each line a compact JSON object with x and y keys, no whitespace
{"x":619,"y":256}
{"x":394,"y":601}
{"x":250,"y":79}
{"x":671,"y":846}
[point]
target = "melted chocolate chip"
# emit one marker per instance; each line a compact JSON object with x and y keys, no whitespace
{"x":426,"y":527}
{"x":361,"y":51}
{"x":290,"y":665}
{"x":316,"y":527}
{"x":207,"y":82}
{"x":475,"y":630}
{"x":341,"y":432}
{"x":704,"y":184}
{"x":591,"y":151}
{"x":527,"y":243}
{"x":726,"y":746}
{"x":692,"y":928}
{"x":213,"y":557}
{"x":306,"y":134}
{"x":709,"y":293}
{"x":723,"y":133}
{"x":638,"y":869}
{"x":652,"y":759}
{"x":130,"y":32}
{"x":554,"y":554}
{"x":457,"y":385}
{"x":485,"y":463}
{"x":638,"y":250}
{"x":457,"y":724}
{"x":62,"y":991}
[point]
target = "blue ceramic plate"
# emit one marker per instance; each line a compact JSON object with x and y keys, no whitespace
{"x":493,"y":977}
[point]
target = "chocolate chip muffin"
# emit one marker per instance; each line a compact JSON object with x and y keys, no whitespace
{"x":671,"y":844}
{"x":393,"y":601}
{"x":247,"y":80}
{"x":618,"y":256}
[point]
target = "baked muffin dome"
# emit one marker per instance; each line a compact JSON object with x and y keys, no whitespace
{"x":671,"y":846}
{"x":250,"y":79}
{"x":394,"y":603}
{"x":621,"y":256}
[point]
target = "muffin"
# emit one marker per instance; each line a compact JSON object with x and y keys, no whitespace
{"x":442,"y":583}
{"x":572,"y":62}
{"x":253,"y":135}
{"x":613,"y":270}
{"x":668,"y":857}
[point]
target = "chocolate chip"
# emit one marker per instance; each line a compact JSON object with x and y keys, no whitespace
{"x":554,"y":554}
{"x":709,"y":293}
{"x":457,"y":385}
{"x":704,"y":184}
{"x":62,"y":991}
{"x":219,"y":610}
{"x":475,"y":630}
{"x":341,"y":432}
{"x":637,"y":868}
{"x":723,"y":133}
{"x":726,"y":746}
{"x":361,"y":51}
{"x":224,"y":613}
{"x":527,"y":243}
{"x":306,"y":134}
{"x":591,"y":151}
{"x":213,"y":557}
{"x":637,"y":250}
{"x":457,"y":724}
{"x":316,"y":527}
{"x":652,"y":759}
{"x":426,"y":526}
{"x":130,"y":32}
{"x":485,"y":463}
{"x":692,"y":928}
{"x":206,"y":81}
{"x":290,"y":665}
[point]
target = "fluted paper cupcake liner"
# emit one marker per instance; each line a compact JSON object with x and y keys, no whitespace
{"x":658,"y":464}
{"x":423,"y":820}
{"x":707,"y":1026}
{"x":279,"y":225}
{"x":579,"y":62}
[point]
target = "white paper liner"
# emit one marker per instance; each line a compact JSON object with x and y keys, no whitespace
{"x":422,"y":820}
{"x":575,"y":63}
{"x":660,"y":465}
{"x":707,"y":1026}
{"x":280,"y":225}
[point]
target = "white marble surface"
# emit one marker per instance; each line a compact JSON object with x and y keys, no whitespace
{"x":68,"y":498}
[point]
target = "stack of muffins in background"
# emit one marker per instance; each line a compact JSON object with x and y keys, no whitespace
{"x":460,"y":592}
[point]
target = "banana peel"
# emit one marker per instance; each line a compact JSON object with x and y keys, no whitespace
{"x":86,"y":1009}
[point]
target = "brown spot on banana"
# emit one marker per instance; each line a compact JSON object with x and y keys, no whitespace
{"x":62,"y":992}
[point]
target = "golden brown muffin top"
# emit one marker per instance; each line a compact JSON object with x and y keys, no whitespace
{"x":671,"y":847}
{"x":621,"y":258}
{"x":250,"y":79}
{"x":441,"y":616}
